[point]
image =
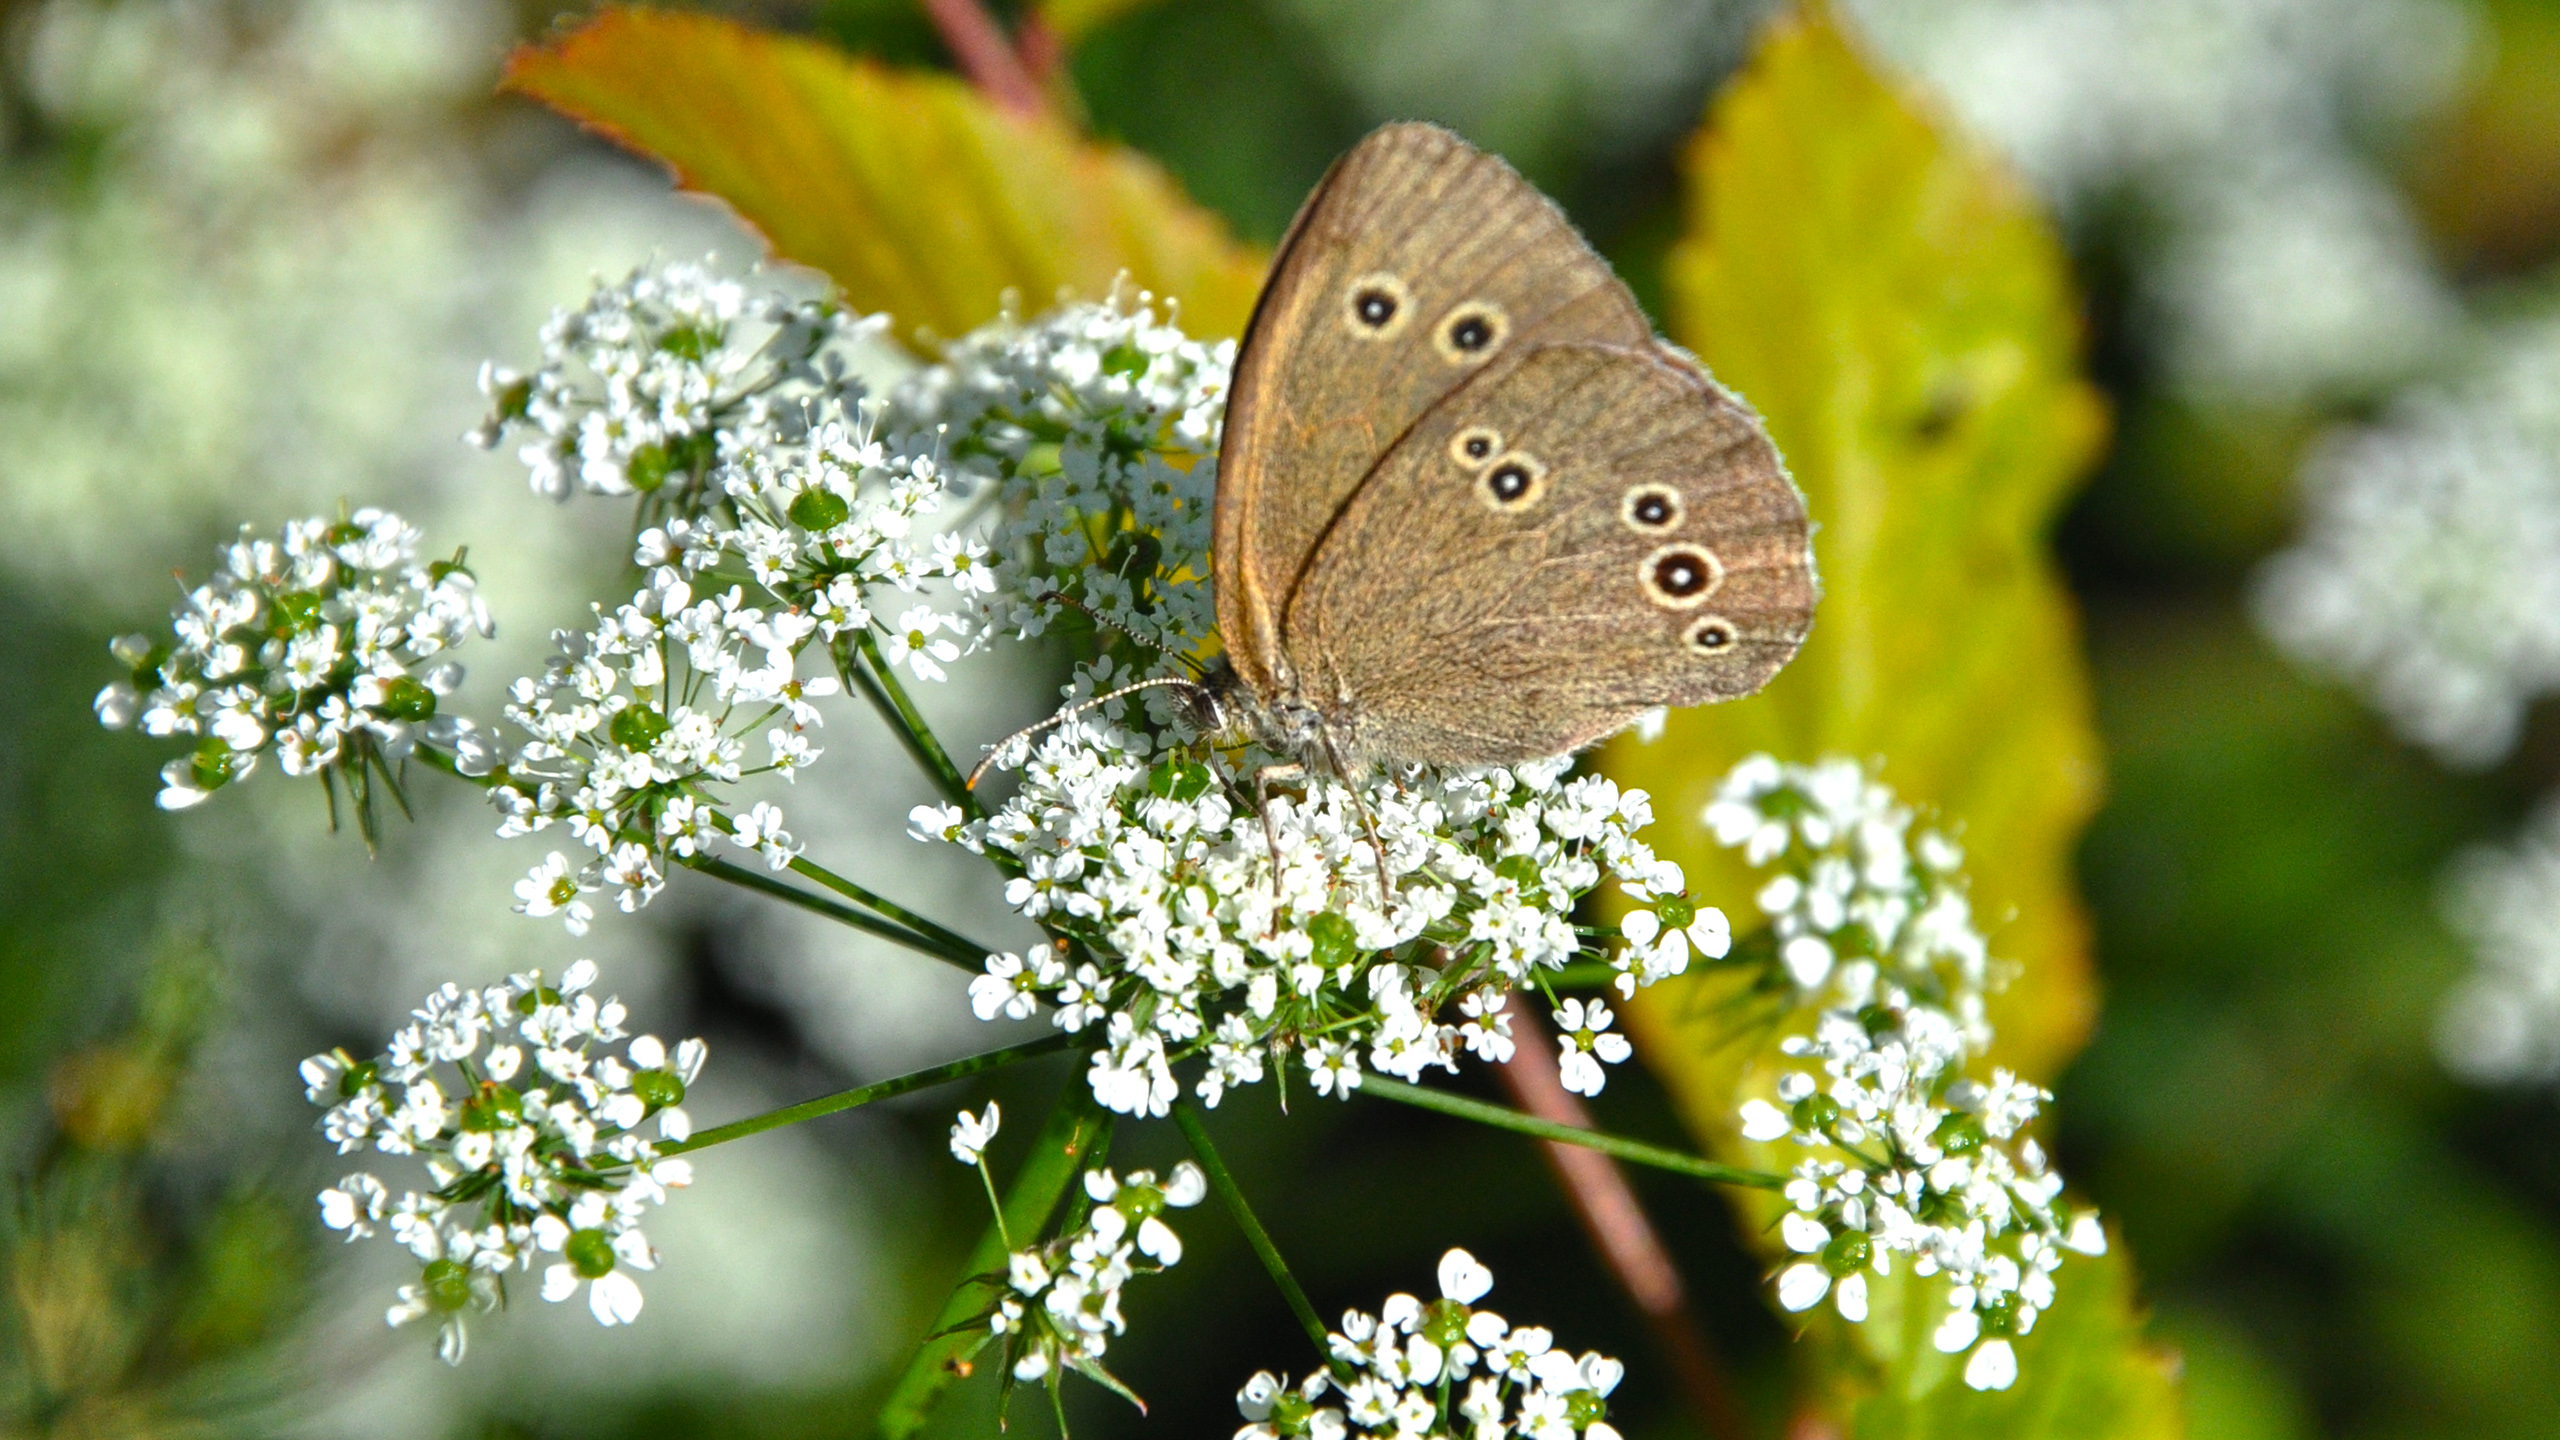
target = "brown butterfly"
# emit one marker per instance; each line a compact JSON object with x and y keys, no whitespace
{"x":1470,"y":510}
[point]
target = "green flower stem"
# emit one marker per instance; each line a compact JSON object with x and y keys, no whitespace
{"x":954,"y":942}
{"x":1504,"y":1118}
{"x":865,"y":1094}
{"x":880,"y":684}
{"x":1588,"y":975}
{"x":1077,"y":1130}
{"x":962,"y":955}
{"x":1224,"y":1182}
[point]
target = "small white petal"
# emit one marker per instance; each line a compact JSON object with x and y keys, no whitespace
{"x":1802,"y":1286}
{"x":1851,"y":1298}
{"x":1464,"y":1278}
{"x":1763,"y":1121}
{"x":1993,"y":1367}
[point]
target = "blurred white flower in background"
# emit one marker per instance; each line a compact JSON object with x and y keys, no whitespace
{"x":2428,"y":570}
{"x":2502,"y":1025}
{"x":2275,"y":261}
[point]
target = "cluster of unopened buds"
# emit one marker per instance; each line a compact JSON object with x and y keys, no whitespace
{"x":1397,"y":1373}
{"x":1057,"y":1305}
{"x":528,"y":1104}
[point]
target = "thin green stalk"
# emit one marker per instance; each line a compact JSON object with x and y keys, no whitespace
{"x":965,"y":957}
{"x":1077,"y":1130}
{"x":865,"y":1094}
{"x":1504,"y":1118}
{"x":1224,"y":1182}
{"x":880,"y":684}
{"x":952,"y":940}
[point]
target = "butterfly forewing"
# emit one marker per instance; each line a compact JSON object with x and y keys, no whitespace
{"x":1554,"y":548}
{"x":1419,"y":265}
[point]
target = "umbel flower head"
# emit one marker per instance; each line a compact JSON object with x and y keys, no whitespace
{"x":1444,"y":1367}
{"x":1902,"y":1153}
{"x":529,"y":1104}
{"x":325,"y":647}
{"x":1057,"y":1304}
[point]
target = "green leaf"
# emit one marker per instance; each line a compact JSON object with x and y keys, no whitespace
{"x":2084,"y":1373}
{"x":918,"y":197}
{"x":1903,"y":319}
{"x":1072,"y":20}
{"x":1077,"y":1130}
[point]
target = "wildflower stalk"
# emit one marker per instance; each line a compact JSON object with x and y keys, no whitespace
{"x":1504,"y":1118}
{"x":865,"y":1094}
{"x":880,"y":685}
{"x":952,"y":940}
{"x":956,"y":952}
{"x":1222,"y":1181}
{"x":1078,"y":1130}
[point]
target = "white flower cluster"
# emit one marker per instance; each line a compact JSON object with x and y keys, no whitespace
{"x":1178,"y":937}
{"x":529,"y":1126}
{"x":780,"y":503}
{"x":2428,"y":571}
{"x":1101,"y":425}
{"x":631,"y":724}
{"x":1857,"y":894}
{"x":1058,"y":1304}
{"x":326,"y":647}
{"x":1407,"y":1361}
{"x":2502,"y":1025}
{"x":1909,"y":1156}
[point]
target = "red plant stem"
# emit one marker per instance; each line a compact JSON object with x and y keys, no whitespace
{"x":1615,"y":1220}
{"x":985,"y":55}
{"x":1037,"y":44}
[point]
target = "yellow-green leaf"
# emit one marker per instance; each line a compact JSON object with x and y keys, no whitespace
{"x":918,"y":197}
{"x":1902,"y":317}
{"x":2084,"y":1373}
{"x":1072,"y":20}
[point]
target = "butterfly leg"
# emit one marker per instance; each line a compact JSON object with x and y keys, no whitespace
{"x":1368,"y":822}
{"x":1262,"y":782}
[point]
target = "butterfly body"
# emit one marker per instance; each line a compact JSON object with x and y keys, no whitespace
{"x":1470,"y":509}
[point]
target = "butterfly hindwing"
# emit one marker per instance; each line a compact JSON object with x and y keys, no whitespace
{"x":1419,"y":265}
{"x":1551,"y":550}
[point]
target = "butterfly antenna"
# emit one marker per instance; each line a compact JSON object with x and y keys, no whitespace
{"x":1179,"y":657}
{"x":1069,"y":713}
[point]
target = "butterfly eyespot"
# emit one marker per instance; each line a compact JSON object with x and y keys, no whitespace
{"x":1376,"y":306}
{"x":1513,"y":481}
{"x":1678,"y":577}
{"x":1474,"y":445}
{"x":1712,"y":635}
{"x":1471,"y":331}
{"x":1650,"y":508}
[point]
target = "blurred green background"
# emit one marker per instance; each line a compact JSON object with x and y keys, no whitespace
{"x":251,"y":253}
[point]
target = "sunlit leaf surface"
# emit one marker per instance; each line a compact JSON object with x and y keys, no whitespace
{"x":917,"y":196}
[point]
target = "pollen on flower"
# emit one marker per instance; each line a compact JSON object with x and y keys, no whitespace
{"x":530,"y":1106}
{"x":1442,"y":1367}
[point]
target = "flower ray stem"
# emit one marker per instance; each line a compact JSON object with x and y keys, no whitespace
{"x":1502,"y":1117}
{"x":1619,"y":1230}
{"x":865,"y":1094}
{"x":950,"y":939}
{"x":979,"y":47}
{"x":1223,"y":1181}
{"x":963,"y":956}
{"x":1077,"y":1130}
{"x":879,"y":684}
